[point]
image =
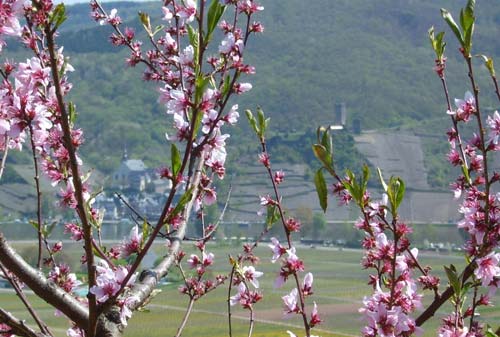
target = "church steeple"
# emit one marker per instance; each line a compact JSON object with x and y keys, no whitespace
{"x":125,"y":154}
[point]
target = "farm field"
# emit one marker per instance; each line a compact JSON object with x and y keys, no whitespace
{"x":339,"y":287}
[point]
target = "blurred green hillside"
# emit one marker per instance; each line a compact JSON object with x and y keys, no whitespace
{"x":372,"y":55}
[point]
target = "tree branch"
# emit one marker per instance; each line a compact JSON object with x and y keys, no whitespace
{"x":42,"y":287}
{"x":18,"y":327}
{"x":109,"y":325}
{"x":445,"y":296}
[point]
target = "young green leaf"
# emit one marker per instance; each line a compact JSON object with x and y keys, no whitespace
{"x":72,"y":113}
{"x":321,"y":189}
{"x":175,"y":159}
{"x":382,"y":181}
{"x":252,"y":121}
{"x":437,"y":43}
{"x":193,"y":40}
{"x":146,"y":22}
{"x":273,"y":215}
{"x":322,"y":154}
{"x":453,"y":25}
{"x":185,"y":198}
{"x":215,"y":12}
{"x":488,"y":63}
{"x":145,"y":232}
{"x":490,"y":332}
{"x":58,"y":16}
{"x":453,"y":279}
{"x":395,"y":192}
{"x":263,"y":122}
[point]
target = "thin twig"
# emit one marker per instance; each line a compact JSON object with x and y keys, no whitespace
{"x":4,"y":157}
{"x":132,"y":209}
{"x":41,"y":324}
{"x":18,"y":326}
{"x":229,"y":314}
{"x":38,"y":198}
{"x":42,"y":287}
{"x":189,"y":309}
{"x":77,"y":182}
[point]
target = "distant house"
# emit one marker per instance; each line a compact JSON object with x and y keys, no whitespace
{"x":132,"y":173}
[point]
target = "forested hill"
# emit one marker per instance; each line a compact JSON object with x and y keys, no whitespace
{"x":372,"y":55}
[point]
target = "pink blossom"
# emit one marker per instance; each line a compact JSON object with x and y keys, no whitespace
{"x":233,"y":115}
{"x":465,"y":107}
{"x":494,"y":124}
{"x":251,"y":275}
{"x":307,"y":284}
{"x":240,"y":88}
{"x":266,"y":200}
{"x":279,"y":176}
{"x":109,"y":281}
{"x":167,"y":13}
{"x":131,"y":245}
{"x":277,"y":249}
{"x":315,"y":320}
{"x":487,"y":268}
{"x":75,"y":231}
{"x":125,"y":312}
{"x":233,"y":300}
{"x":75,"y":332}
{"x":193,"y":261}
{"x":62,"y":276}
{"x":290,"y":302}
{"x":207,"y":259}
{"x":187,"y":12}
{"x":230,"y":44}
{"x":264,"y":159}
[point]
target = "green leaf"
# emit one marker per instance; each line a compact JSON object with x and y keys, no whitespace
{"x":158,"y":29}
{"x":321,"y":189}
{"x":34,"y":224}
{"x":263,"y":122}
{"x":58,"y":16}
{"x":146,"y":22}
{"x":353,"y":187}
{"x":453,"y":279}
{"x":395,"y":192}
{"x":193,"y":40}
{"x":145,"y":232}
{"x":175,"y":157}
{"x":382,"y":181}
{"x":48,"y":229}
{"x":252,"y":121}
{"x":366,"y":177}
{"x":72,"y":113}
{"x":488,"y":62}
{"x":227,"y":86}
{"x":185,"y":198}
{"x":453,"y":25}
{"x":465,"y":171}
{"x":200,"y":86}
{"x":437,"y":43}
{"x":490,"y":332}
{"x":322,"y":154}
{"x":272,"y":215}
{"x":215,"y":12}
{"x":327,"y":142}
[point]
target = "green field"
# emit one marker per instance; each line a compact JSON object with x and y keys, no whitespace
{"x":339,"y":286}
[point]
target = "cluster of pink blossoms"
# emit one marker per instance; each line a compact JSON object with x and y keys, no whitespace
{"x":244,"y":276}
{"x":388,"y":313}
{"x":197,"y":285}
{"x":109,"y":281}
{"x":189,"y":93}
{"x":10,"y":10}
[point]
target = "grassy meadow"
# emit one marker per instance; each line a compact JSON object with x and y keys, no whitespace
{"x":339,"y":287}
